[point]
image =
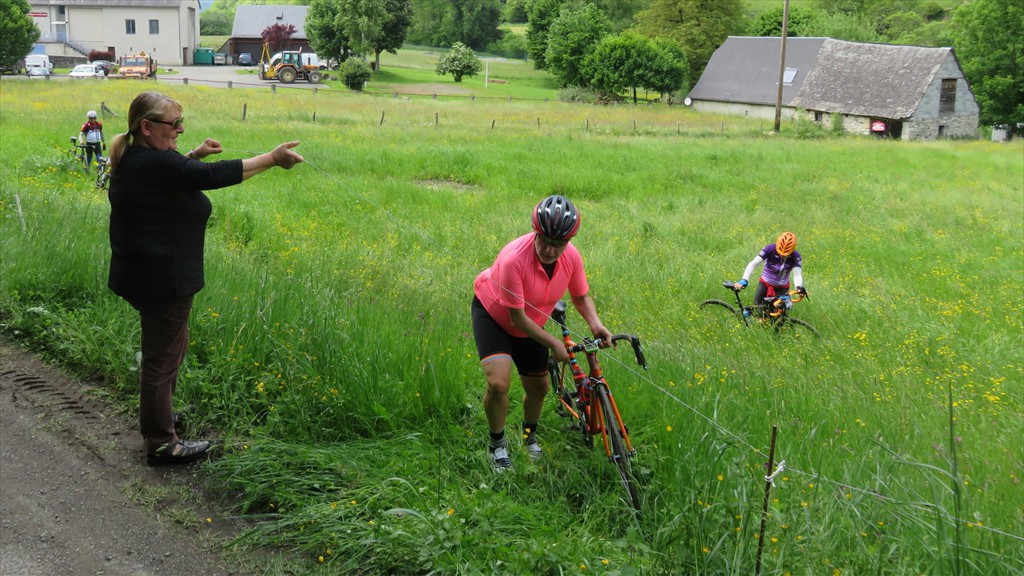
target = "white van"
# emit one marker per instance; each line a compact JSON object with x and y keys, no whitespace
{"x":38,"y":61}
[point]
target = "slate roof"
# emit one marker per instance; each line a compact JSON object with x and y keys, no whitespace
{"x":251,"y":20}
{"x":834,"y":76}
{"x":112,"y":3}
{"x":870,"y":79}
{"x":746,"y":69}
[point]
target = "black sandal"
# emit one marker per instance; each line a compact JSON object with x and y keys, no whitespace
{"x":180,"y":452}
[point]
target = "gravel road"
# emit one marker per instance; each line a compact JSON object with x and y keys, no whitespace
{"x":76,"y":497}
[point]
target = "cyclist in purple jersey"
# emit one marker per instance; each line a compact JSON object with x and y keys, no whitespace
{"x":780,"y":261}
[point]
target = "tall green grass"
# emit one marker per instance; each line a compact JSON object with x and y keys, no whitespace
{"x":332,"y":355}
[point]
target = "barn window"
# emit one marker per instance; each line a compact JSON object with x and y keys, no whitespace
{"x":947,"y":96}
{"x":129,"y":26}
{"x":154,"y":26}
{"x":789,"y":75}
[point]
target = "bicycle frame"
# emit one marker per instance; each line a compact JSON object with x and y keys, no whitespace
{"x":775,"y":307}
{"x":590,"y":412}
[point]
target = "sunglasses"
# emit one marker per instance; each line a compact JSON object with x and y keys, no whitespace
{"x":175,"y":124}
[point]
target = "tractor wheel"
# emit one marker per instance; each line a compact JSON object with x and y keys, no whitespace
{"x":286,"y":75}
{"x":314,"y":77}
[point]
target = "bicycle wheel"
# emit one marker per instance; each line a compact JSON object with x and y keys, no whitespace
{"x":720,"y":314}
{"x":563,"y":394}
{"x":620,"y":454}
{"x":797,"y":328}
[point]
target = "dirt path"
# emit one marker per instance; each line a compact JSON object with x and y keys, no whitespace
{"x":76,"y":497}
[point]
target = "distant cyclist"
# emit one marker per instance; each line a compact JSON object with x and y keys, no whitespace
{"x":92,"y":137}
{"x":781,"y":260}
{"x":513,"y":299}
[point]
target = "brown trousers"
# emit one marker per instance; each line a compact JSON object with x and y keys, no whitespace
{"x":164,"y":343}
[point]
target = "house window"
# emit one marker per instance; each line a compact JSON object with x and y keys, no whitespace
{"x":154,"y":26}
{"x":947,"y":96}
{"x":129,"y":26}
{"x":819,"y":116}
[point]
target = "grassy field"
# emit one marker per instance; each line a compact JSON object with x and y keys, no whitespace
{"x":332,"y":358}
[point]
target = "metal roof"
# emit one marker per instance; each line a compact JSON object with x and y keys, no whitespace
{"x":251,"y":20}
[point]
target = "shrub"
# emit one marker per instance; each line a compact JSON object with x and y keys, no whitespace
{"x":577,"y":94}
{"x":459,"y":62}
{"x":95,"y":55}
{"x":355,"y":73}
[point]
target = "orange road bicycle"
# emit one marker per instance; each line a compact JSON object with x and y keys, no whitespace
{"x":774,"y":313}
{"x":587,"y":398}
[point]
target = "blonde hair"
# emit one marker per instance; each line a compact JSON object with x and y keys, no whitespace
{"x":145,"y":106}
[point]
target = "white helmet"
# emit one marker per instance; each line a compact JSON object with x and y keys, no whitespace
{"x":91,"y":114}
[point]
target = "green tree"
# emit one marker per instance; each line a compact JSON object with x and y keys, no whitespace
{"x":326,"y":31}
{"x":17,"y":32}
{"x":802,"y":22}
{"x":616,"y":64}
{"x":621,"y":12}
{"x":215,"y":22}
{"x":989,"y":41}
{"x":541,"y":15}
{"x":459,"y":61}
{"x":514,"y":12}
{"x":395,"y":28}
{"x":667,"y":72}
{"x":700,"y":26}
{"x":445,"y":22}
{"x":572,"y":37}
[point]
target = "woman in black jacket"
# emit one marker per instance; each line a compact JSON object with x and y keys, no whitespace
{"x":158,"y":216}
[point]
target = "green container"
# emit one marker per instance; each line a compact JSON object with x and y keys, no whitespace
{"x":203,"y":56}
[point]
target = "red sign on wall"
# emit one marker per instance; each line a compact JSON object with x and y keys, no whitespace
{"x":878,"y":126}
{"x":38,"y":14}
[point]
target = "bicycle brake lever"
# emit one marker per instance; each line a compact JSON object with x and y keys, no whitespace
{"x":639,"y":351}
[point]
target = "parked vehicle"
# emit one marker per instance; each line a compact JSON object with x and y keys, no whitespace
{"x":38,"y":72}
{"x":39,"y":61}
{"x":104,"y":65}
{"x":245,"y":59}
{"x":16,"y":68}
{"x":139,"y":65}
{"x":86,"y":71}
{"x":290,"y":66}
{"x":220,"y":59}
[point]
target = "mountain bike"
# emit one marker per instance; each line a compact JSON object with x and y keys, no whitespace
{"x":587,"y":399}
{"x":774,"y":313}
{"x":77,"y":153}
{"x":102,"y":172}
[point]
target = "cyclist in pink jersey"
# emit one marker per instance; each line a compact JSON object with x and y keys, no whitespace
{"x":512,"y":301}
{"x":780,"y":261}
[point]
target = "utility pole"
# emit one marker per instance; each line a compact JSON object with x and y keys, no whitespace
{"x":782,"y":66}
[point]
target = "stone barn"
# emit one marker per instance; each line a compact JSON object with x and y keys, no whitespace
{"x":904,"y":92}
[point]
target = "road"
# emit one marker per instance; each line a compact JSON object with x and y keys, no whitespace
{"x":75,"y":495}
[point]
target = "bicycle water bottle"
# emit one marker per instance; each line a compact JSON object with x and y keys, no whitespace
{"x":746,"y":312}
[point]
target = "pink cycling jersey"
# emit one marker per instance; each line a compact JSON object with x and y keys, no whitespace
{"x":517,"y":280}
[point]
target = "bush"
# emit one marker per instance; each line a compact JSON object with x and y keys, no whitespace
{"x":95,"y":55}
{"x":510,"y":46}
{"x":355,"y":73}
{"x":459,"y":62}
{"x":578,"y":95}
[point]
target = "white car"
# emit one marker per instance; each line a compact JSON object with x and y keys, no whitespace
{"x":86,"y":71}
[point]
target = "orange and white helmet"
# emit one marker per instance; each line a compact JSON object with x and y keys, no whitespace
{"x":786,"y":243}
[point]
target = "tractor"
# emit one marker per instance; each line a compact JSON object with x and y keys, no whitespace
{"x":289,"y":66}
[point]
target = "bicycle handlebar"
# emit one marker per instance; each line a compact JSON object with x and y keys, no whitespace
{"x":794,"y":295}
{"x":590,"y":345}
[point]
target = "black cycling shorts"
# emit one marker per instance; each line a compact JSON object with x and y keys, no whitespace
{"x":529,"y":356}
